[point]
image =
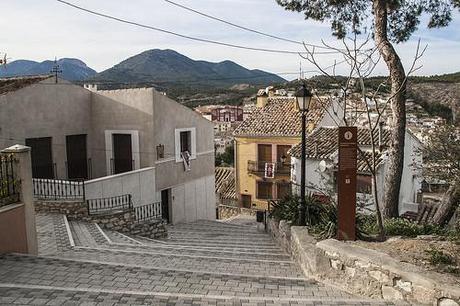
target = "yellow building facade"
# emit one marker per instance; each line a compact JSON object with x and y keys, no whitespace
{"x":253,"y":187}
{"x":262,"y":142}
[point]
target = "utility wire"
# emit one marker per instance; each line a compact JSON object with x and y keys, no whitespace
{"x":186,"y":36}
{"x":243,"y":27}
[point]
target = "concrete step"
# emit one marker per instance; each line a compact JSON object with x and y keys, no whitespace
{"x":211,"y":227}
{"x":211,"y":264}
{"x":236,"y":248}
{"x":47,"y":295}
{"x":162,"y":244}
{"x":224,"y":240}
{"x":163,"y":249}
{"x":106,"y":238}
{"x":94,"y":275}
{"x":218,"y":235}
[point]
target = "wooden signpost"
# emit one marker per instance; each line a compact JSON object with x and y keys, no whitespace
{"x":346,"y":180}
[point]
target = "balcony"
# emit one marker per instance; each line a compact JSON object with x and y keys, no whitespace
{"x":258,"y":168}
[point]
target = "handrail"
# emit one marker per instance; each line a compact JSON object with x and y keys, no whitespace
{"x":55,"y":189}
{"x":148,"y":212}
{"x":111,"y":204}
{"x":259,"y":167}
{"x":9,"y":183}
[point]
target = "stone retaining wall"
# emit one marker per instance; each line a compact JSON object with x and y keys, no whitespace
{"x":73,"y":209}
{"x":363,"y":271}
{"x":122,"y":221}
{"x":225,"y":212}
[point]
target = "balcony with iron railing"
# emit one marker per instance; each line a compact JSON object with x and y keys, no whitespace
{"x":258,"y":168}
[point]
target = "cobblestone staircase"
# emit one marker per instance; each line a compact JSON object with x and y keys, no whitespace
{"x":202,"y":263}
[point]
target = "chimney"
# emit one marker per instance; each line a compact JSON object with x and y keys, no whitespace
{"x":90,"y":87}
{"x":262,"y":99}
{"x":381,"y":144}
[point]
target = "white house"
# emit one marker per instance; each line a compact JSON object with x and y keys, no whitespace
{"x":127,"y":141}
{"x":322,"y":158}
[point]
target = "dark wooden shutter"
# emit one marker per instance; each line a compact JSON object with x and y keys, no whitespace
{"x":42,"y":157}
{"x":122,"y":153}
{"x":77,"y":161}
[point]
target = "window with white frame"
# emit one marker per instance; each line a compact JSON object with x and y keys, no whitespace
{"x":185,"y":141}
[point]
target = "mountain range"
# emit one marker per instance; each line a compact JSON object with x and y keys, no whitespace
{"x":168,"y":67}
{"x":164,"y":68}
{"x":72,"y":69}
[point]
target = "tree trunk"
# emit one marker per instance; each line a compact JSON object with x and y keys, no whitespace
{"x":450,"y":203}
{"x":393,"y":176}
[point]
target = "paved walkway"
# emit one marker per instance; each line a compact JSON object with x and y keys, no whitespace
{"x":201,"y":263}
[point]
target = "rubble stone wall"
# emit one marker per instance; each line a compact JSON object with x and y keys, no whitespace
{"x":122,"y":221}
{"x":225,"y":212}
{"x":363,"y":271}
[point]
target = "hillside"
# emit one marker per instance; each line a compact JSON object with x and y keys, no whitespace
{"x":439,"y":95}
{"x":72,"y":69}
{"x":169,"y":68}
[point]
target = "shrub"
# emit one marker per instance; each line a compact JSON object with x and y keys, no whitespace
{"x":322,"y":216}
{"x":440,"y":258}
{"x":406,"y":228}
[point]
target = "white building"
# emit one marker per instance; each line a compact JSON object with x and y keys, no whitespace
{"x":322,"y":158}
{"x":127,"y":141}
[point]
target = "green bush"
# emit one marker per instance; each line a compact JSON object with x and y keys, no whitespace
{"x":440,"y":258}
{"x":322,"y":217}
{"x":406,"y":228}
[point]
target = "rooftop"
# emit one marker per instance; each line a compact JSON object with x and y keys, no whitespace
{"x":278,"y":118}
{"x":323,"y":144}
{"x":15,"y":83}
{"x":225,"y":182}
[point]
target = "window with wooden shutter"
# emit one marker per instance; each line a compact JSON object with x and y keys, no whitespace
{"x":264,"y":190}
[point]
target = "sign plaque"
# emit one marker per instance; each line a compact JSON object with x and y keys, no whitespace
{"x":346,"y":181}
{"x":269,"y":170}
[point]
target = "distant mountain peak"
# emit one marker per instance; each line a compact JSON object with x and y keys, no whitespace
{"x":168,"y":67}
{"x":72,"y":69}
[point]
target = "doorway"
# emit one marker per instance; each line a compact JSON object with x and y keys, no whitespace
{"x":165,"y":200}
{"x":122,"y":153}
{"x":42,"y":157}
{"x":77,"y":161}
{"x":246,"y":200}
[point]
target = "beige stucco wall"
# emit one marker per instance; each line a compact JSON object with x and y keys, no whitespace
{"x":122,"y":110}
{"x":46,"y":109}
{"x":13,"y":236}
{"x":246,"y":150}
{"x":168,"y":116}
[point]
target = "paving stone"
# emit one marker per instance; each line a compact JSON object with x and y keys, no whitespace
{"x":230,"y":260}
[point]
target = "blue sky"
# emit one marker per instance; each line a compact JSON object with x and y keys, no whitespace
{"x":40,"y":30}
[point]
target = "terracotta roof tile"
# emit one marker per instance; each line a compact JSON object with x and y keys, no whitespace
{"x":225,"y":183}
{"x":323,"y":144}
{"x":16,"y":83}
{"x":278,"y":118}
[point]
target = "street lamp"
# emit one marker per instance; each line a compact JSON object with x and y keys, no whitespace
{"x":303,"y":97}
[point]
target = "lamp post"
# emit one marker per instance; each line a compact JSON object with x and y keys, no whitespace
{"x":303,"y":97}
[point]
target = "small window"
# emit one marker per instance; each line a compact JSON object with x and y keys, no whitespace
{"x":264,"y":190}
{"x":185,"y":141}
{"x":283,"y":189}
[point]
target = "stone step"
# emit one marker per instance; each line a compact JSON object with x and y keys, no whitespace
{"x":94,"y":275}
{"x":116,"y":237}
{"x":217,"y":228}
{"x":215,"y":235}
{"x":222,"y":246}
{"x":163,"y":249}
{"x":161,"y":243}
{"x":47,"y":295}
{"x":223,"y":240}
{"x":240,"y":266}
